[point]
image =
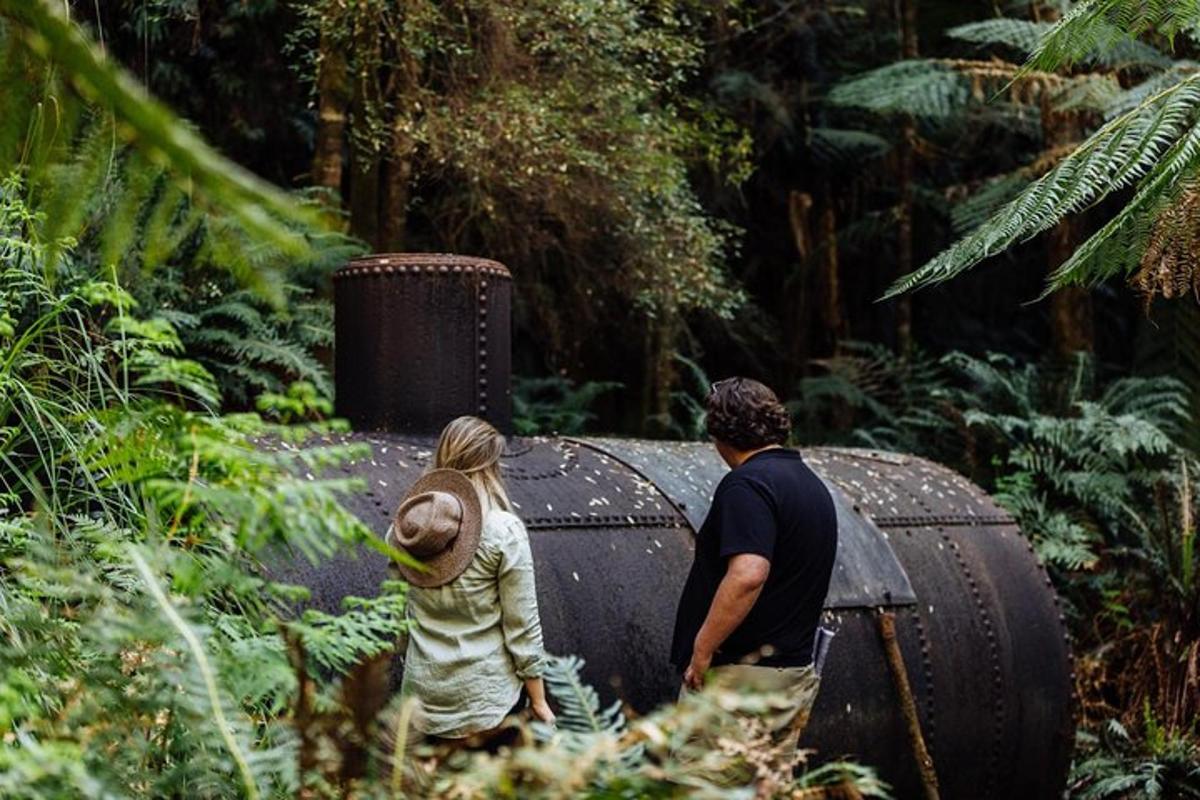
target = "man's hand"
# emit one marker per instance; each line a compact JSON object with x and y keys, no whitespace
{"x":693,"y":676}
{"x":736,"y":595}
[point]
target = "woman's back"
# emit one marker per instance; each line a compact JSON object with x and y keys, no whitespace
{"x":474,"y":640}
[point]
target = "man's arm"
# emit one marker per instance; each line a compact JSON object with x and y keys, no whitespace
{"x":736,"y":595}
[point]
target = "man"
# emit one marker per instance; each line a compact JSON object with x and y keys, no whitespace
{"x":753,"y":599}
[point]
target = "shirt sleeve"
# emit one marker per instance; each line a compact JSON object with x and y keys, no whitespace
{"x":518,"y":604}
{"x":746,"y":522}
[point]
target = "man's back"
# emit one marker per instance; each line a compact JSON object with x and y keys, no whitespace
{"x":774,"y":506}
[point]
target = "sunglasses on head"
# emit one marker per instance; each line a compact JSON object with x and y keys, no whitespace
{"x":725,"y":382}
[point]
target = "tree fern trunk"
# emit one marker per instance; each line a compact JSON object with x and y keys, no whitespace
{"x":365,"y":161}
{"x":1071,"y":325}
{"x":397,"y":179}
{"x":798,"y":319}
{"x":660,"y":373}
{"x":333,"y":101}
{"x":829,"y":290}
{"x":364,"y":196}
{"x":906,"y":13}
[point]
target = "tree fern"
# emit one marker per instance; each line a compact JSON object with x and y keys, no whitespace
{"x":1169,"y":344}
{"x":108,"y":165}
{"x":1155,"y":141}
{"x":259,"y":207}
{"x":839,"y":147}
{"x":1025,"y":37}
{"x":249,"y":345}
{"x":1020,"y":35}
{"x":1092,"y":26}
{"x":930,"y":89}
{"x":554,"y":404}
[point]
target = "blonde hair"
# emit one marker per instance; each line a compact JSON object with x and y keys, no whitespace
{"x":473,"y":447}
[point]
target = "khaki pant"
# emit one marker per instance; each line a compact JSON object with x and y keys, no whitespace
{"x":798,"y":685}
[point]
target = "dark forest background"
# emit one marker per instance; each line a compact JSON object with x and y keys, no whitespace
{"x":962,"y":230}
{"x":807,"y":209}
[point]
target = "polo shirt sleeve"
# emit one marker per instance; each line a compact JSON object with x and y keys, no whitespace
{"x":746,"y":524}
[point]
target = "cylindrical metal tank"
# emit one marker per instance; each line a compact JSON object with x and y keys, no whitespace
{"x":612,"y":522}
{"x":420,"y":333}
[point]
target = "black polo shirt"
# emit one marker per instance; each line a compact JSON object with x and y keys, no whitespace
{"x":774,"y":506}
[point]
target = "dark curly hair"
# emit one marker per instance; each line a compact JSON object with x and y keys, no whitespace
{"x":746,"y":414}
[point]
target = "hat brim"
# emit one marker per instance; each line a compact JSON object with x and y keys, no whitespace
{"x":453,"y":561}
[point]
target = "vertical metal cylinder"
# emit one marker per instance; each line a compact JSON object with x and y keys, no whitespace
{"x":422,"y":338}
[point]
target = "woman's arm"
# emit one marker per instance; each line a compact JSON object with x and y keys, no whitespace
{"x":520,"y":620}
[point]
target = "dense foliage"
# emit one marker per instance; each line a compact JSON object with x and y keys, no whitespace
{"x":682,"y":190}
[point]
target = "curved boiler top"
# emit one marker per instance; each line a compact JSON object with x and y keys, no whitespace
{"x":612,"y":523}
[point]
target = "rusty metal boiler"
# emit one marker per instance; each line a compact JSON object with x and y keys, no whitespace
{"x":423,"y":338}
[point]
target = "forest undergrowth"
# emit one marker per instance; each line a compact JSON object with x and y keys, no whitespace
{"x":164,"y":327}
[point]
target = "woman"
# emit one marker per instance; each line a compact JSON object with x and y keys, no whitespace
{"x":475,"y":640}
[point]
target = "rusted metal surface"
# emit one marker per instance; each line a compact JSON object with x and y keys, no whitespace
{"x":982,"y":638}
{"x":866,"y":572}
{"x":604,"y":539}
{"x":423,"y":338}
{"x":895,"y":490}
{"x":420,"y":339}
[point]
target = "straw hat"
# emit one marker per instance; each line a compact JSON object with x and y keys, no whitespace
{"x":438,"y":523}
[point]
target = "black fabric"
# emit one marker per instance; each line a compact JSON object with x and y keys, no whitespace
{"x":774,"y":506}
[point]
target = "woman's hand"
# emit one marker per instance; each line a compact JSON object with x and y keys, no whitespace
{"x":536,"y":689}
{"x":542,"y":713}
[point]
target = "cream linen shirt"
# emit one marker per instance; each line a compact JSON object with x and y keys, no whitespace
{"x":473,"y":641}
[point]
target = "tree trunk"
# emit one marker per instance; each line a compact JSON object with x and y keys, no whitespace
{"x":796,"y":314}
{"x":906,"y":12}
{"x":1071,"y":325}
{"x":660,"y":374}
{"x":829,"y":310}
{"x":333,"y":100}
{"x":364,"y":196}
{"x":815,"y":323}
{"x":397,"y":179}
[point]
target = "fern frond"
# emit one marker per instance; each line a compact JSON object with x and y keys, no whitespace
{"x":983,"y":203}
{"x":1020,"y":35}
{"x":922,"y":88}
{"x":259,"y":207}
{"x":836,"y":146}
{"x":1156,"y":140}
{"x":1134,"y":96}
{"x":216,"y":704}
{"x":578,"y":703}
{"x":1088,"y":92}
{"x":1092,"y":26}
{"x":737,"y":86}
{"x":1123,"y":239}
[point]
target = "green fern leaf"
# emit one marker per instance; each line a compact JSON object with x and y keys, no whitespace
{"x":1156,"y":141}
{"x":1020,"y":35}
{"x":922,"y":88}
{"x":1092,"y":26}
